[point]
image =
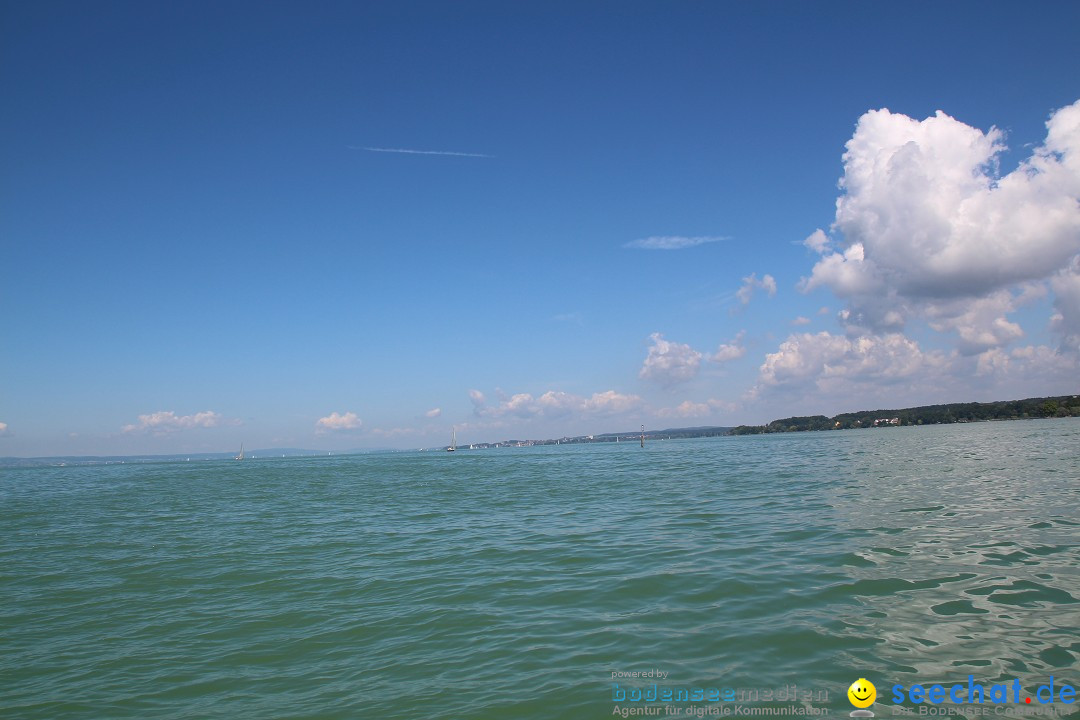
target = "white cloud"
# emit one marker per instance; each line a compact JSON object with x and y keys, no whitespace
{"x":611,"y":403}
{"x":555,"y":404}
{"x":1066,"y":321}
{"x":980,"y":323}
{"x":551,"y":403}
{"x":4,"y":432}
{"x":844,"y":272}
{"x":818,"y":241}
{"x":433,"y":413}
{"x":669,"y":363}
{"x":766,"y":283}
{"x":1031,"y":370}
{"x":730,"y":351}
{"x":167,"y":421}
{"x":672,"y":242}
{"x":994,"y":361}
{"x":801,"y":320}
{"x":689,"y":409}
{"x":335,"y":422}
{"x":833,"y":361}
{"x":931,"y":230}
{"x":685,"y":409}
{"x":851,"y":373}
{"x":1042,"y":359}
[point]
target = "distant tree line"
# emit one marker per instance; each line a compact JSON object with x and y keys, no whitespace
{"x":1044,"y":407}
{"x":629,"y":435}
{"x":670,"y":433}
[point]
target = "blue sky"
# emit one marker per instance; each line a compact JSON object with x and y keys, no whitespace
{"x":203,"y":240}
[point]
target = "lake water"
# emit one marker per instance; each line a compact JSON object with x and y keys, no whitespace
{"x":512,"y":583}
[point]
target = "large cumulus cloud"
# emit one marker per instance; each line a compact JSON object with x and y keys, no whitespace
{"x":927,"y":227}
{"x":832,"y":361}
{"x":669,"y":363}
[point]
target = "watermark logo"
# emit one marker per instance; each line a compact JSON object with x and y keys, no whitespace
{"x":699,"y":701}
{"x":862,"y":695}
{"x":976,"y":693}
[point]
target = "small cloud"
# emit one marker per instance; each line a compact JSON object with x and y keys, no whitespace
{"x":685,"y":409}
{"x":574,"y":318}
{"x":766,"y":283}
{"x":4,"y":432}
{"x":611,"y":402}
{"x":672,"y":242}
{"x":801,"y":321}
{"x":336,"y":423}
{"x":433,"y":413}
{"x":479,"y":402}
{"x":669,"y":363}
{"x":167,"y":421}
{"x":818,"y":241}
{"x":555,"y":403}
{"x":824,"y":310}
{"x":730,"y":351}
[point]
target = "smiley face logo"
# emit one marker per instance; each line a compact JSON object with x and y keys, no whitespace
{"x":862,"y":693}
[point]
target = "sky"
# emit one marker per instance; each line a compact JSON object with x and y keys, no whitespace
{"x":360,"y":225}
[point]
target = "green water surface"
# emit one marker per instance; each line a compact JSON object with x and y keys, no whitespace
{"x":512,"y":583}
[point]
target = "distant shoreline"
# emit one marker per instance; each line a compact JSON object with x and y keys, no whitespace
{"x":1028,"y":409}
{"x":947,"y":414}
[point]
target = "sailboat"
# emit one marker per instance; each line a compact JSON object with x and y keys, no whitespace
{"x":453,"y":442}
{"x":241,"y":455}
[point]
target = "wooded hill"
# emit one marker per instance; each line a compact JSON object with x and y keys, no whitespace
{"x":1043,"y":407}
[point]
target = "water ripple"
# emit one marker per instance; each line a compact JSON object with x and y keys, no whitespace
{"x":511,"y":583}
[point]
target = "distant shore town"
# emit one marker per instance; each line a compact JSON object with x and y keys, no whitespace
{"x":1060,"y":406}
{"x":1031,"y":408}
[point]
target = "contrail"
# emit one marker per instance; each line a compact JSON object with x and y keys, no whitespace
{"x":673,"y":242}
{"x":420,"y":152}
